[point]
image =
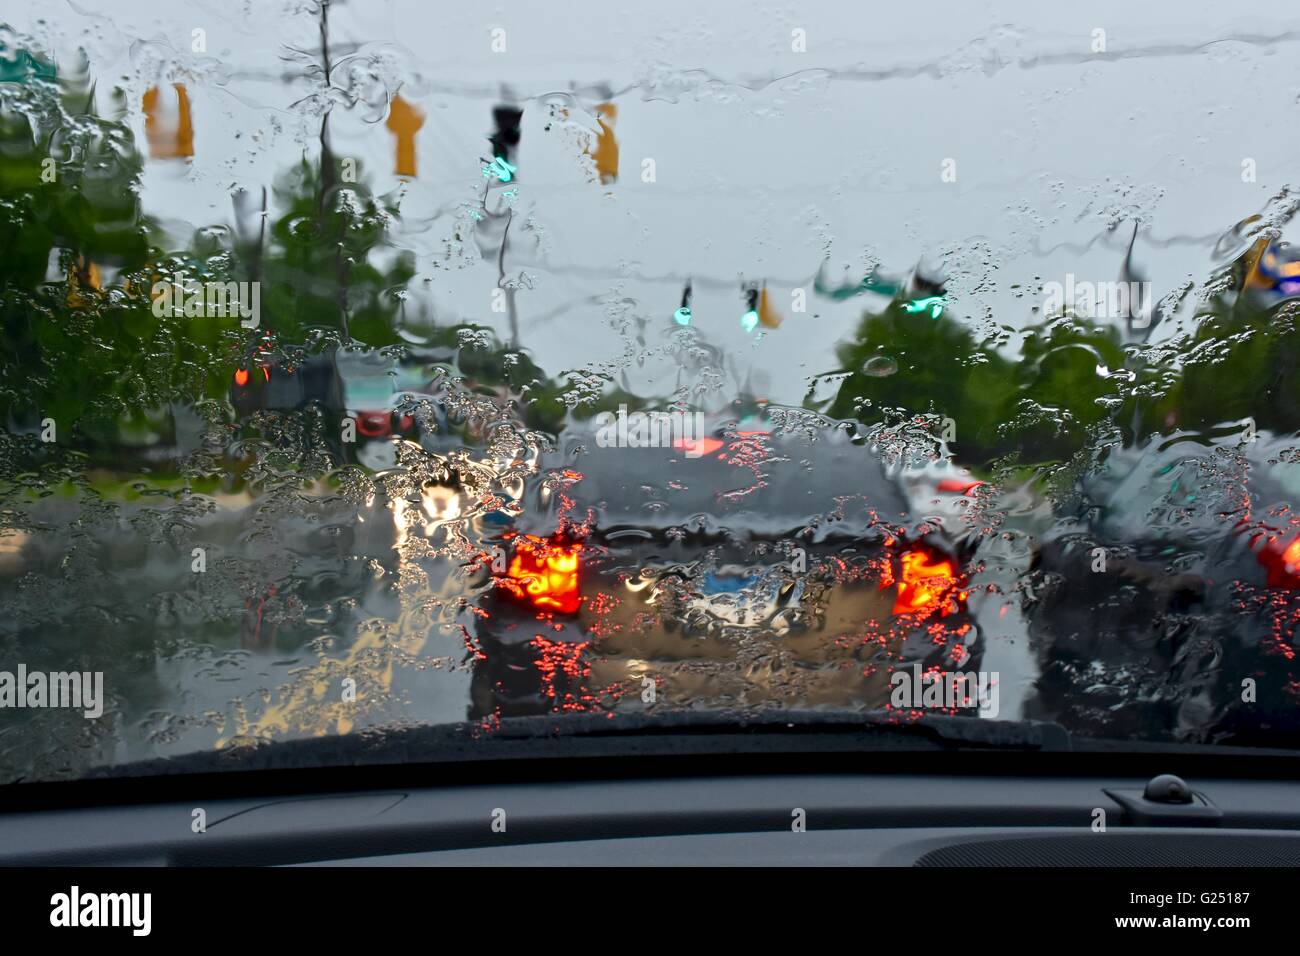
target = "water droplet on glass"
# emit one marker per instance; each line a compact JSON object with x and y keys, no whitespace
{"x":880,"y":366}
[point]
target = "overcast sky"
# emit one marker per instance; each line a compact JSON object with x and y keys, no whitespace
{"x":768,"y":161}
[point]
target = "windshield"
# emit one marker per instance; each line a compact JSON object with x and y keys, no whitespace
{"x":373,"y":365}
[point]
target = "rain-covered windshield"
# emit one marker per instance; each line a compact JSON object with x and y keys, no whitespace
{"x":370,"y":364}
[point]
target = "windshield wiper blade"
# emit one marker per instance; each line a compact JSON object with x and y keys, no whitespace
{"x":863,"y":727}
{"x":674,"y":733}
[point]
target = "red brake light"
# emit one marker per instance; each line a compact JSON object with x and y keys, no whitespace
{"x":926,"y":584}
{"x":545,"y":574}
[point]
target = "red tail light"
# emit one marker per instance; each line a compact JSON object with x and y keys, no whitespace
{"x":1281,"y":562}
{"x":374,"y":424}
{"x":927,"y":583}
{"x":545,"y":574}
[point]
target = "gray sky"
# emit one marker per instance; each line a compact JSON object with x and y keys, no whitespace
{"x":768,"y":161}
